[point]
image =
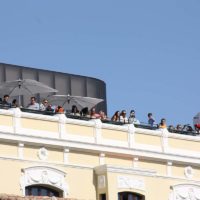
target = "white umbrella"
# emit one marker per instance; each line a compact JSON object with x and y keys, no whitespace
{"x":24,"y":87}
{"x":67,"y":101}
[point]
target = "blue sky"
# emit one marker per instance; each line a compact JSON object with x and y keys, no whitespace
{"x":147,"y":52}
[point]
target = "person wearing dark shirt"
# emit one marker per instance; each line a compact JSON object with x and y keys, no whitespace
{"x":14,"y":103}
{"x":5,"y":101}
{"x":151,"y":120}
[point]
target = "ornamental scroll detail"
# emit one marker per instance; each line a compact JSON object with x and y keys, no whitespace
{"x":43,"y":175}
{"x":185,"y":192}
{"x":126,"y":182}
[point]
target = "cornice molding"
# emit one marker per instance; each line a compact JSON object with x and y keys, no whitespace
{"x":103,"y":169}
{"x":85,"y":146}
{"x":63,"y":138}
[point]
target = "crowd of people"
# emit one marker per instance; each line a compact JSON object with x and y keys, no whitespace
{"x":118,"y":116}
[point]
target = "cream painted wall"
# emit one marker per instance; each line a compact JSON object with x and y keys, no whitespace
{"x":118,"y":161}
{"x":81,"y":158}
{"x":178,"y":170}
{"x":184,"y":144}
{"x":6,"y":120}
{"x":39,"y":125}
{"x":115,"y":135}
{"x":31,"y":152}
{"x":82,"y":183}
{"x":160,"y":168}
{"x":79,"y":130}
{"x":55,"y":155}
{"x":8,"y":150}
{"x":156,"y":188}
{"x":148,"y":139}
{"x":10,"y":172}
{"x":196,"y":175}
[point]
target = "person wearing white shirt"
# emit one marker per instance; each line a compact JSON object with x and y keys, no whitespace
{"x":33,"y":105}
{"x":132,"y":119}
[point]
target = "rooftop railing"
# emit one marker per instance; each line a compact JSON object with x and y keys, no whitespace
{"x":105,"y":121}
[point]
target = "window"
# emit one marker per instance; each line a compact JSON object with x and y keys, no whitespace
{"x":102,"y":196}
{"x":37,"y":190}
{"x":130,"y":196}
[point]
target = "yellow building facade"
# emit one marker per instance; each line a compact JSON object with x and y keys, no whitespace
{"x":91,"y":160}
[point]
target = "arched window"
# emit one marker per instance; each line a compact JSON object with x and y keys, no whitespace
{"x":43,"y":181}
{"x":42,"y":190}
{"x":130,"y":196}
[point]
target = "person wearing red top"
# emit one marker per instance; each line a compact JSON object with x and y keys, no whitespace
{"x":93,"y":114}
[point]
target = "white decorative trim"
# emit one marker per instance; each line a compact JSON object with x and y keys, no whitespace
{"x":162,"y":152}
{"x":6,"y":112}
{"x":38,"y":133}
{"x":183,"y":152}
{"x":90,"y":145}
{"x":169,"y":169}
{"x":126,"y":182}
{"x":101,"y":181}
{"x":189,"y":172}
{"x":124,"y":170}
{"x":80,"y":122}
{"x":39,"y":117}
{"x":185,"y":192}
{"x":164,"y":139}
{"x":16,"y":119}
{"x":61,"y":126}
{"x":66,"y":155}
{"x":157,"y":132}
{"x":101,"y":159}
{"x":184,"y":137}
{"x":135,"y":162}
{"x":147,"y":147}
{"x":116,"y":143}
{"x":43,"y":153}
{"x":43,"y":175}
{"x":115,"y":127}
{"x":98,"y":127}
{"x":7,"y":129}
{"x":131,"y":138}
{"x":21,"y":150}
{"x":79,"y":138}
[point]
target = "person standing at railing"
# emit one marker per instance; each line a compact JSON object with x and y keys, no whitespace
{"x":151,"y":120}
{"x":132,"y":119}
{"x":93,"y":114}
{"x":163,"y":123}
{"x":102,"y":115}
{"x":5,"y":101}
{"x":75,"y":111}
{"x":60,"y":110}
{"x":116,"y":116}
{"x":14,"y":103}
{"x":123,"y":117}
{"x":44,"y":105}
{"x":33,"y":105}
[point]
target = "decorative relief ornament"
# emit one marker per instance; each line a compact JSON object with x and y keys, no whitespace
{"x":101,"y":181}
{"x":44,"y":175}
{"x":126,"y":182}
{"x":189,"y":172}
{"x":43,"y":153}
{"x":185,"y":192}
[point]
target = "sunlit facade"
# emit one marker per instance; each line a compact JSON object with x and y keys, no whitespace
{"x":57,"y":156}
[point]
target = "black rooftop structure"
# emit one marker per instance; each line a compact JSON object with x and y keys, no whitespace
{"x":65,"y":83}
